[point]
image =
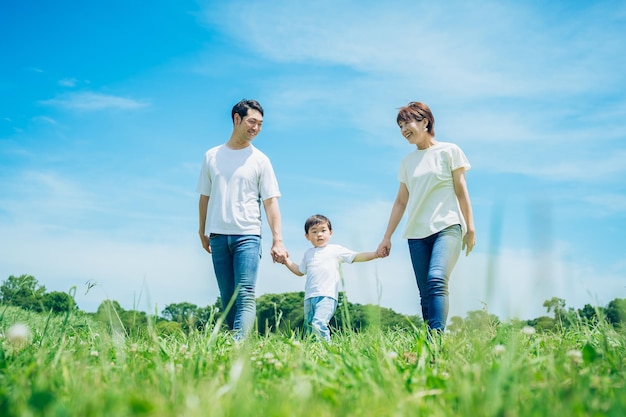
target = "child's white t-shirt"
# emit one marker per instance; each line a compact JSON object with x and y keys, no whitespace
{"x":322,"y":267}
{"x":432,"y":204}
{"x":236,"y":182}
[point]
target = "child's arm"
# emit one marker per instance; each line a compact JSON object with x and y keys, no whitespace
{"x":293,"y":267}
{"x":365,"y":256}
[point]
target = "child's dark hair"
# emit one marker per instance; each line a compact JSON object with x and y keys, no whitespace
{"x":315,"y":220}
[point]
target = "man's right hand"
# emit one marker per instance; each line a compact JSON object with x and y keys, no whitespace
{"x":206,"y":242}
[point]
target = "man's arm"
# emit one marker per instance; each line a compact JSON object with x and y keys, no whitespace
{"x":202,"y":210}
{"x":272,"y":212}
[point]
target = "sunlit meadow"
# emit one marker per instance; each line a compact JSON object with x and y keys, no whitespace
{"x":69,"y":365}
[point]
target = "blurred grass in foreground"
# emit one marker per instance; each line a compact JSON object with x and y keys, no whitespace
{"x":75,"y":367}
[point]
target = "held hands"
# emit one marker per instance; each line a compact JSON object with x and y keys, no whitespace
{"x":384,"y":248}
{"x":279,"y":252}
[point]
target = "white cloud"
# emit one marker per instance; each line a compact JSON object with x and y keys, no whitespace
{"x":45,"y":197}
{"x":607,"y":204}
{"x":68,"y":82}
{"x":45,"y":119}
{"x":90,"y":101}
{"x":495,"y":50}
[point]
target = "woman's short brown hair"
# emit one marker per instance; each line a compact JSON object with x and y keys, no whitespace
{"x":416,"y":111}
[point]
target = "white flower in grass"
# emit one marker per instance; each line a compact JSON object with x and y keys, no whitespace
{"x":18,"y":334}
{"x":528,"y":330}
{"x":133,"y":348}
{"x":182,"y":349}
{"x":575,"y":355}
{"x":391,"y":355}
{"x":94,"y":353}
{"x":302,"y":388}
{"x":269,"y":356}
{"x":499,"y":350}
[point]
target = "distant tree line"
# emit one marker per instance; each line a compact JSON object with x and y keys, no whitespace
{"x":284,"y":312}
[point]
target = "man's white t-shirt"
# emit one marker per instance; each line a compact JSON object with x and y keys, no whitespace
{"x":236,"y":182}
{"x":322,"y":267}
{"x":432,"y":204}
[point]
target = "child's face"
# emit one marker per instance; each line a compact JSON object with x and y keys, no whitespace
{"x":319,"y":235}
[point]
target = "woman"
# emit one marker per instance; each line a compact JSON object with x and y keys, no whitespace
{"x":440,"y":222}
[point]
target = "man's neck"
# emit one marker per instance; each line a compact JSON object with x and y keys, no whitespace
{"x":237,"y":144}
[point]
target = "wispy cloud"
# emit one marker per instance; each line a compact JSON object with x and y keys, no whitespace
{"x":68,"y":82}
{"x":90,"y":101}
{"x":607,"y":204}
{"x":45,"y":119}
{"x":498,"y":50}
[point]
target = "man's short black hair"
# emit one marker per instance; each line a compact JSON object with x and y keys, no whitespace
{"x":243,"y":106}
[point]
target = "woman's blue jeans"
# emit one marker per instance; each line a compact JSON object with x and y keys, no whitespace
{"x":433,"y":259}
{"x":236,"y":263}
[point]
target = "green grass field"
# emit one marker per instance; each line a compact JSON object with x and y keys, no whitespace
{"x":73,"y":366}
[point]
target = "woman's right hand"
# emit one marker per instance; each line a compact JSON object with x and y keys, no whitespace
{"x":384,"y":248}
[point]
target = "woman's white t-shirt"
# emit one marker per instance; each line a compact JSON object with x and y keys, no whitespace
{"x":432,"y":204}
{"x":322,"y":267}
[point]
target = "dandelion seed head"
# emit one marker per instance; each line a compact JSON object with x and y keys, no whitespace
{"x":392,"y":355}
{"x":499,"y":350}
{"x":192,"y":402}
{"x":94,"y":353}
{"x":575,"y":355}
{"x":18,"y":334}
{"x":303,"y":388}
{"x":528,"y":330}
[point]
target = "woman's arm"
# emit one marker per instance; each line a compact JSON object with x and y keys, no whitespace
{"x":462,"y":195}
{"x":397,"y":211}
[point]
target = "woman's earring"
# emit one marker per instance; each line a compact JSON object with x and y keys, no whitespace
{"x":425,"y":129}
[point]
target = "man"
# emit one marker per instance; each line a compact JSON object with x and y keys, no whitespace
{"x":234,"y":179}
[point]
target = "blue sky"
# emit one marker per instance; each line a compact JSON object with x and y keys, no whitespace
{"x":107,"y":109}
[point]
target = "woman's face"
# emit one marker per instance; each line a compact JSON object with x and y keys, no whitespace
{"x":413,"y":130}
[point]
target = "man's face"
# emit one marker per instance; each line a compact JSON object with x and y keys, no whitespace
{"x":250,"y":126}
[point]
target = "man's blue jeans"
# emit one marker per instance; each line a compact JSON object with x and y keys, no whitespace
{"x":317,"y":314}
{"x":236,"y":263}
{"x":433,"y":259}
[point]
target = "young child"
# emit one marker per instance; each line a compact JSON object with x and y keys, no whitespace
{"x":322,"y":264}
